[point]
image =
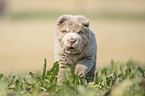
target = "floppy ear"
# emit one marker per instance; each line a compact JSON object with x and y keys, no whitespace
{"x":84,"y":20}
{"x":86,"y":23}
{"x":61,"y":19}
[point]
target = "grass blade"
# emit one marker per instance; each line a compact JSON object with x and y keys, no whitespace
{"x":44,"y":69}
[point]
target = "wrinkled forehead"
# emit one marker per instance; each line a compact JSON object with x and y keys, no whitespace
{"x":71,"y":25}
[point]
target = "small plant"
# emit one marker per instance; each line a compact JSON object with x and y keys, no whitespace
{"x":118,"y":80}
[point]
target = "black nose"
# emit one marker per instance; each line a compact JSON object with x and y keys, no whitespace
{"x":72,"y":41}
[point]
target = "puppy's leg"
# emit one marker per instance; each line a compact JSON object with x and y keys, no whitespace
{"x":83,"y":68}
{"x":61,"y":77}
{"x":90,"y":75}
{"x":61,"y":73}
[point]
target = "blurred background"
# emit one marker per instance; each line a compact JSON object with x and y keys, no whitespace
{"x":27,"y":30}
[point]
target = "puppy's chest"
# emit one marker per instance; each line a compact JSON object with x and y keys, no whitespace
{"x":71,"y":59}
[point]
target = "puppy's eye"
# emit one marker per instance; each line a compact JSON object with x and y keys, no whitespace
{"x":80,"y":32}
{"x":64,"y":31}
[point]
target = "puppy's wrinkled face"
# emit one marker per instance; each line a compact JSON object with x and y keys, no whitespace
{"x":73,"y":33}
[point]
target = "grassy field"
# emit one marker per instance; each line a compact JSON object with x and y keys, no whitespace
{"x":27,"y":33}
{"x":127,"y":79}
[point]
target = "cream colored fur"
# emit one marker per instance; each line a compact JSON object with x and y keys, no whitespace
{"x":75,"y":46}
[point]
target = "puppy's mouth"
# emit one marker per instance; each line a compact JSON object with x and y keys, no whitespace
{"x":71,"y":50}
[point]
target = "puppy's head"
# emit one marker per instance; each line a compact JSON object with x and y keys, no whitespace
{"x":72,"y":33}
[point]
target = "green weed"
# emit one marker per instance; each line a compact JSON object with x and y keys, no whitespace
{"x":118,"y":80}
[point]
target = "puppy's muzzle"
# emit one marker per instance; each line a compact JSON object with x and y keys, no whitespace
{"x":72,"y":42}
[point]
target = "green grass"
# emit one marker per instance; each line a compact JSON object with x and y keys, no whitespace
{"x":28,"y":15}
{"x":126,"y":79}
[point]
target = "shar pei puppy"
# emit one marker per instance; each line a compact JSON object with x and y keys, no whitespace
{"x":75,"y":47}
